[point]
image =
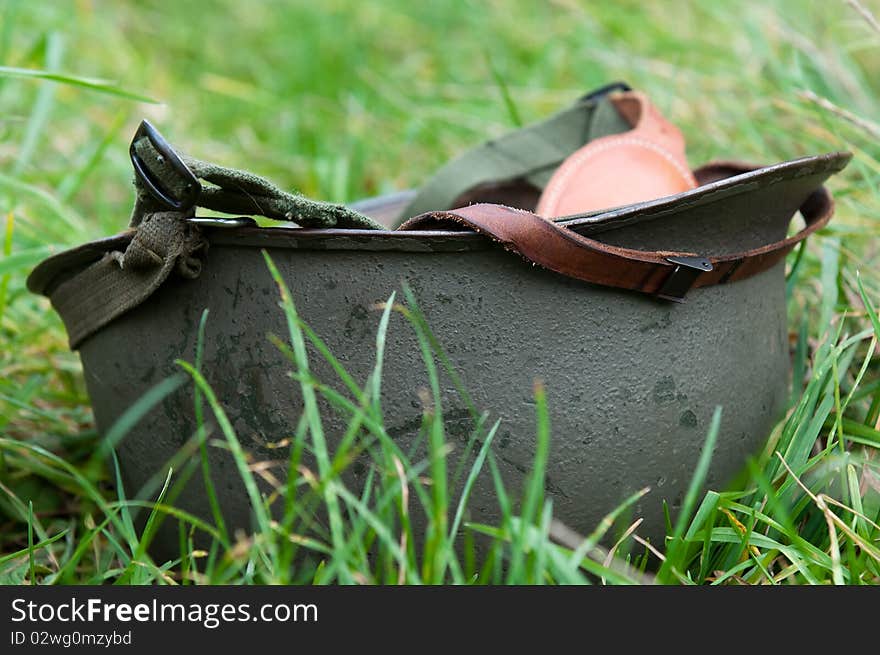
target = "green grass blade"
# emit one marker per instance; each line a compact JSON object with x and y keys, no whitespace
{"x":475,"y":470}
{"x":90,"y":83}
{"x":869,"y":307}
{"x":76,"y":178}
{"x":534,"y":490}
{"x":436,"y":543}
{"x":31,"y":564}
{"x":129,"y":533}
{"x":310,"y":408}
{"x":235,"y":447}
{"x":509,"y":104}
{"x":32,"y":548}
{"x":676,"y":547}
{"x":202,"y":430}
{"x":132,"y":416}
{"x":8,"y":230}
{"x":42,"y":106}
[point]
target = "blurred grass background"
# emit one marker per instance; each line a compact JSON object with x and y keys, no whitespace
{"x":345,"y":99}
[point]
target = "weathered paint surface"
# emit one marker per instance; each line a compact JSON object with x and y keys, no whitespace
{"x":631,"y":381}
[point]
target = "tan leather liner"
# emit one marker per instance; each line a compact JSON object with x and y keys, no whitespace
{"x":644,"y":163}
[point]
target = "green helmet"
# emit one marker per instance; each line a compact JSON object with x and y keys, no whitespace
{"x":632,"y":379}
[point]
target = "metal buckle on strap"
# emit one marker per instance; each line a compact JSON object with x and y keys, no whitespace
{"x":189,"y":182}
{"x":683,"y":276}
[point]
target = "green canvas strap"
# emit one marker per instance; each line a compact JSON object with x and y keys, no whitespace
{"x":531,"y":153}
{"x":120,"y":281}
{"x":165,"y":179}
{"x":168,"y":189}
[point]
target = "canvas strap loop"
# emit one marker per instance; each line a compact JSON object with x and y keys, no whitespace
{"x":162,"y":236}
{"x":120,"y":281}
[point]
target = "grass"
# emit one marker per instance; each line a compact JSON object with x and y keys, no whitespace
{"x":343,"y":100}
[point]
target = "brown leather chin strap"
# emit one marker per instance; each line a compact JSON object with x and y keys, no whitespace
{"x":668,"y":275}
{"x":644,"y":163}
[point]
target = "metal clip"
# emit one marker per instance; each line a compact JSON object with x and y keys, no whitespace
{"x":683,"y":276}
{"x":192,"y":189}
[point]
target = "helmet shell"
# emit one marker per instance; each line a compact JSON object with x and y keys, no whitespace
{"x":631,"y":381}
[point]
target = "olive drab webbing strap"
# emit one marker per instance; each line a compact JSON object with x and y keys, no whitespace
{"x":531,"y":153}
{"x":120,"y":281}
{"x":163,"y":239}
{"x":166,"y":181}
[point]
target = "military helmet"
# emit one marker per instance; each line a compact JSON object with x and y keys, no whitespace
{"x":582,"y":250}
